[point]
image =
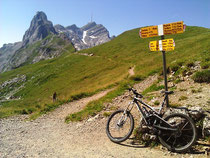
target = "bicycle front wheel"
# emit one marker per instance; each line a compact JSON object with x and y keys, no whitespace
{"x":119,"y":126}
{"x":183,"y":137}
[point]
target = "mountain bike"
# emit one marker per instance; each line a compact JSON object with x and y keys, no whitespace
{"x":177,"y":132}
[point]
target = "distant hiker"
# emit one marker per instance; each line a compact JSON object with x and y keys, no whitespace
{"x":54,"y":96}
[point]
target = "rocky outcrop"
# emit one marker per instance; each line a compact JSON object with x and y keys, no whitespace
{"x":48,"y":48}
{"x":87,"y":36}
{"x":200,"y":117}
{"x":206,"y":126}
{"x":39,"y":29}
{"x":10,"y":87}
{"x":6,"y":52}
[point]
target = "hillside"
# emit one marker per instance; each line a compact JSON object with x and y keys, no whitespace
{"x":73,"y":75}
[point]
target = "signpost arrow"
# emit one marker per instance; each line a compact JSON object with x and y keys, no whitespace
{"x":163,"y":29}
{"x":148,"y":32}
{"x":163,"y":44}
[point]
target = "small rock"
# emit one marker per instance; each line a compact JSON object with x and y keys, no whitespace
{"x":181,"y":110}
{"x":206,"y":126}
{"x":93,"y":118}
{"x":196,"y":112}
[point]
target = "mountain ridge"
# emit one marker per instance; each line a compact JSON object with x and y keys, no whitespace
{"x":13,"y":55}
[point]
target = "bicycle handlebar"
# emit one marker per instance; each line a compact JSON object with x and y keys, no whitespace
{"x":135,"y":92}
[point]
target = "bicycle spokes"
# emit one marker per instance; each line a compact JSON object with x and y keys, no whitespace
{"x":183,"y":137}
{"x":120,"y":126}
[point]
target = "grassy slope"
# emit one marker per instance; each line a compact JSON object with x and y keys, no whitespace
{"x":73,"y":76}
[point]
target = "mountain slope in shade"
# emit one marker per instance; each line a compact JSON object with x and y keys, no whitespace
{"x":6,"y":52}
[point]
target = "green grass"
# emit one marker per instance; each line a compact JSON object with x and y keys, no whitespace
{"x":174,"y":105}
{"x":196,"y":90}
{"x":152,"y":88}
{"x":183,"y":98}
{"x":107,"y":114}
{"x":74,"y":76}
{"x":202,"y":76}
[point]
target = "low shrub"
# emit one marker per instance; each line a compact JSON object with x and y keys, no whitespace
{"x":196,"y":91}
{"x":174,"y":68}
{"x":205,"y":65}
{"x":106,"y":114}
{"x":185,"y":71}
{"x":156,"y":102}
{"x":137,"y":78}
{"x":174,"y":105}
{"x":183,"y":89}
{"x":190,"y":64}
{"x":177,"y":81}
{"x":202,"y":76}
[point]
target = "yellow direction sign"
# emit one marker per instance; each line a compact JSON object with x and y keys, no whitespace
{"x":173,"y":28}
{"x":167,"y":44}
{"x":154,"y":45}
{"x":164,"y":29}
{"x":150,"y":31}
{"x":162,"y":45}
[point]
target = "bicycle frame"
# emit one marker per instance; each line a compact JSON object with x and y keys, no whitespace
{"x":136,"y":101}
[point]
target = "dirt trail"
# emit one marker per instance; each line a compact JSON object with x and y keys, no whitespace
{"x":49,"y":136}
{"x":72,"y":107}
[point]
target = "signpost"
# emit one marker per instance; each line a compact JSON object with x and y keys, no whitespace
{"x":154,"y":46}
{"x":163,"y":44}
{"x":173,"y":28}
{"x":149,"y":32}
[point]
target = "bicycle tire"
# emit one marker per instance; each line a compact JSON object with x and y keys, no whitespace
{"x":108,"y":126}
{"x":184,"y":138}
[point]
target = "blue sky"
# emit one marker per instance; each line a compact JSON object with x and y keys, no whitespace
{"x":116,"y":15}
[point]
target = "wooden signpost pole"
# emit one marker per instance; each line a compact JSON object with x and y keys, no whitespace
{"x":165,"y":73}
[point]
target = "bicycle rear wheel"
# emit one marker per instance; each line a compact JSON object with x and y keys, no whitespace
{"x":119,"y":126}
{"x":181,"y":139}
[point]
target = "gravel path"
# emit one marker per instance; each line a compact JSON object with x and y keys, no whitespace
{"x":49,"y":136}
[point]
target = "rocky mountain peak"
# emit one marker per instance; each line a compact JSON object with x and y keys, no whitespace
{"x":72,"y":27}
{"x":90,"y":35}
{"x":88,"y":26}
{"x":59,"y":28}
{"x":39,"y":29}
{"x":41,"y":15}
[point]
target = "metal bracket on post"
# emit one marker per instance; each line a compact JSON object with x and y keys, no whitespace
{"x":165,"y":73}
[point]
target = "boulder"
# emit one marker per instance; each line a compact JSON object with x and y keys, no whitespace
{"x":196,"y":113}
{"x":206,"y":126}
